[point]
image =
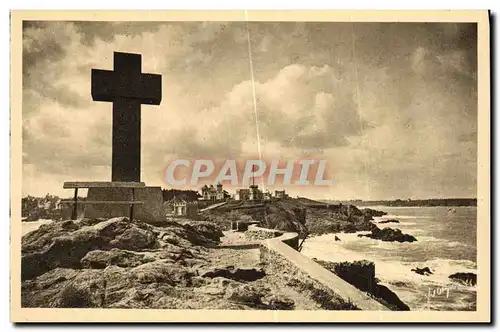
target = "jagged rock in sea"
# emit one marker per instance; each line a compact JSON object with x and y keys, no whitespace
{"x":373,"y":213}
{"x":466,"y":278}
{"x":422,"y":271}
{"x":361,"y":274}
{"x":395,"y":221}
{"x":389,"y":235}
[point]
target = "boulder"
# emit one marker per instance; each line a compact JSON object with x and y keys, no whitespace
{"x":373,"y":213}
{"x":389,"y":235}
{"x":209,"y":230}
{"x":466,"y":278}
{"x":161,"y":272}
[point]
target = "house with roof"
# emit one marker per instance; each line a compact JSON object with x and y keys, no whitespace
{"x":180,"y":206}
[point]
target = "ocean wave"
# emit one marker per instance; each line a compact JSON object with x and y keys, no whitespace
{"x":401,"y":223}
{"x":387,"y":268}
{"x":400,"y":216}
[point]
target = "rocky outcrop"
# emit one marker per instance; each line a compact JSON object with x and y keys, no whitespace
{"x":361,"y":274}
{"x":389,"y":235}
{"x":98,"y":243}
{"x":395,"y":221}
{"x":337,"y":219}
{"x":466,"y":278}
{"x":95,"y":263}
{"x":297,"y":215}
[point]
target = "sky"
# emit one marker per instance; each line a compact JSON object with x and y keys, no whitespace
{"x":390,"y":107}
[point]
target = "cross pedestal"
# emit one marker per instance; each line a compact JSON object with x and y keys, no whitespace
{"x":150,"y":210}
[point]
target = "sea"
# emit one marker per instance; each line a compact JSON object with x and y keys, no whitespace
{"x":446,"y":243}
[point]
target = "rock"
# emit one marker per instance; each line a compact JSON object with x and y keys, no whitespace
{"x":390,"y":298}
{"x":395,"y":221}
{"x":422,"y":271}
{"x":117,"y":284}
{"x":245,"y":294}
{"x":65,"y":288}
{"x":161,"y":272}
{"x":216,"y":286}
{"x":134,"y":238}
{"x":239,"y":274}
{"x":99,"y":259}
{"x":466,"y":278}
{"x":43,"y":236}
{"x":74,"y":297}
{"x":359,"y":273}
{"x":278,"y":302}
{"x":373,"y":213}
{"x":389,"y":235}
{"x":65,"y":244}
{"x":207,"y":229}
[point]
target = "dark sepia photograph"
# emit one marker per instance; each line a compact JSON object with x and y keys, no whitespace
{"x":250,"y":167}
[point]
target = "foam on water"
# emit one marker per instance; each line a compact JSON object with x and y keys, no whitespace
{"x":394,"y":261}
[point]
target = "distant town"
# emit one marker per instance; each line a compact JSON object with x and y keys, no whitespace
{"x":177,"y":202}
{"x":188,"y":203}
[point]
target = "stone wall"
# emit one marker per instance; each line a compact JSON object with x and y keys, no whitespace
{"x":257,"y":233}
{"x":280,"y":251}
{"x":298,"y":279}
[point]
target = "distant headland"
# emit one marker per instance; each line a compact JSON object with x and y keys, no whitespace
{"x":411,"y":202}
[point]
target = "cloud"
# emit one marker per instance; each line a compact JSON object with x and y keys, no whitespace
{"x":398,"y":119}
{"x":300,"y":107}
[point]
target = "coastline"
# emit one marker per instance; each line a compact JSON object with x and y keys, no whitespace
{"x":394,"y":261}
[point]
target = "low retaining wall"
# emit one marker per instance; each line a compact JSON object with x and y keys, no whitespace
{"x":285,"y":247}
{"x":257,"y":233}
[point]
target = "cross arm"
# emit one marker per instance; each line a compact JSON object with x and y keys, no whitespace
{"x":109,"y":86}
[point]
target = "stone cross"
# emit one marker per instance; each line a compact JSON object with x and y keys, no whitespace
{"x":127,"y":88}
